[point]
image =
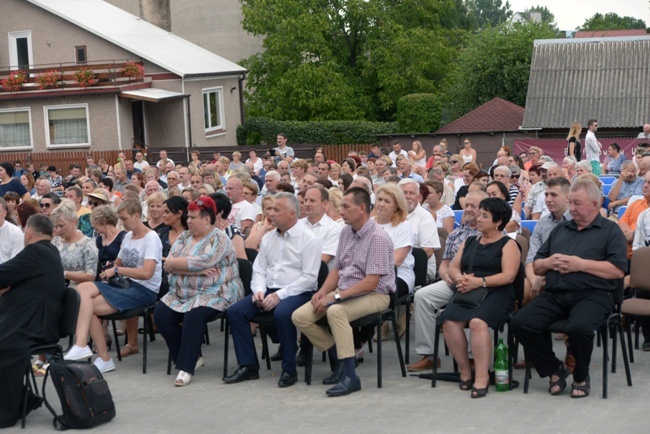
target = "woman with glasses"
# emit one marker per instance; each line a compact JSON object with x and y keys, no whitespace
{"x":97,"y":197}
{"x":455,"y":168}
{"x":204,"y":280}
{"x":467,"y":153}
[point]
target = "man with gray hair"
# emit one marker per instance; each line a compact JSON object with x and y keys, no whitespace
{"x":284,"y":278}
{"x":583,"y":261}
{"x":430,"y":300}
{"x":43,"y":185}
{"x":11,"y":237}
{"x":503,"y":174}
{"x":627,"y":185}
{"x":448,"y":197}
{"x":271,"y":181}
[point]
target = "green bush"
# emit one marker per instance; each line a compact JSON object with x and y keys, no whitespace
{"x":419,"y":113}
{"x":263,"y":131}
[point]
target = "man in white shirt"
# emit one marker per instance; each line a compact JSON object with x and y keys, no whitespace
{"x":243,"y":214}
{"x":140,"y":163}
{"x":285,"y":274}
{"x":184,"y":176}
{"x":397,"y":151}
{"x":645,"y":134}
{"x":11,"y":237}
{"x":593,"y":147}
{"x":425,"y":231}
{"x":43,"y":185}
{"x":162,"y":164}
{"x":325,"y":229}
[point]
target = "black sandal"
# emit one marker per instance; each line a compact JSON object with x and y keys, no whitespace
{"x":465,"y":384}
{"x":479,"y":393}
{"x":561,"y":373}
{"x":586,"y":388}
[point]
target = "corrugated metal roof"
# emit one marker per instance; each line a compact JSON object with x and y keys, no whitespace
{"x":578,"y":79}
{"x":140,"y":37}
{"x":496,"y":115}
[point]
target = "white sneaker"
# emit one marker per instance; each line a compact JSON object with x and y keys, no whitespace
{"x":199,"y":363}
{"x":78,"y":353}
{"x":104,"y":366}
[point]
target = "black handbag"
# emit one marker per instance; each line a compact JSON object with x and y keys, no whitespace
{"x":474,"y":298}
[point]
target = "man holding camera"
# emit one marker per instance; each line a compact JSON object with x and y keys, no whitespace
{"x":284,"y":278}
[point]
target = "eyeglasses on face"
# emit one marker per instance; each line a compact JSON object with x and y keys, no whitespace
{"x":93,"y":203}
{"x":45,"y":205}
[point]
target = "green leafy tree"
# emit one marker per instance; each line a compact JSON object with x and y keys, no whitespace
{"x":495,"y":63}
{"x":489,"y":13}
{"x":348,"y":59}
{"x":612,"y":21}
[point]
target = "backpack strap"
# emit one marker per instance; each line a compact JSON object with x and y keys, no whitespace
{"x":57,"y":422}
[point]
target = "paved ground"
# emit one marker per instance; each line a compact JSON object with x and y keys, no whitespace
{"x":151,"y":404}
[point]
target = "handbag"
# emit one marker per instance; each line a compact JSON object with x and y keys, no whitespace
{"x":119,"y":281}
{"x":474,"y":298}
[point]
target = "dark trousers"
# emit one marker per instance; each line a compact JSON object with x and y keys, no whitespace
{"x":183,"y":333}
{"x":11,"y":390}
{"x":241,"y":313}
{"x":585,"y":311}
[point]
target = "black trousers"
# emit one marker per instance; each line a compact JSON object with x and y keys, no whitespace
{"x":11,"y":391}
{"x":183,"y":333}
{"x":585,"y":310}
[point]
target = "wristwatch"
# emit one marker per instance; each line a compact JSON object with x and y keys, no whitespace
{"x":337,"y":296}
{"x":115,"y":270}
{"x":484,"y":282}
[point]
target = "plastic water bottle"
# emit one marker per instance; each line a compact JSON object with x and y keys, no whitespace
{"x":501,"y":367}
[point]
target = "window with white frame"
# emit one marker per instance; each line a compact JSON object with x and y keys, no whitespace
{"x":15,"y":128}
{"x":20,"y":49}
{"x":213,"y":109}
{"x":67,"y":125}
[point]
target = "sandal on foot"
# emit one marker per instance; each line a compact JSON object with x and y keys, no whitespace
{"x":38,"y":364}
{"x":585,"y":388}
{"x":182,"y":379}
{"x":40,"y":372}
{"x":466,"y":384}
{"x":561,"y":373}
{"x":479,"y":393}
{"x":127,"y":350}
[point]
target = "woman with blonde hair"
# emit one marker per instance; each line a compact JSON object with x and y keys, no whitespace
{"x":418,"y":157}
{"x":155,"y":210}
{"x":333,"y":210}
{"x":259,"y":229}
{"x":455,"y":168}
{"x":574,"y":149}
{"x":335,"y":173}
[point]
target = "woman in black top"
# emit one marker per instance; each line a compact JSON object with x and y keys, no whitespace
{"x":574,"y":149}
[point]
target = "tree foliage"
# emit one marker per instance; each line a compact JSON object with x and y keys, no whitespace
{"x":611,"y":21}
{"x":348,"y":59}
{"x":419,"y":113}
{"x":489,"y":13}
{"x":495,"y":63}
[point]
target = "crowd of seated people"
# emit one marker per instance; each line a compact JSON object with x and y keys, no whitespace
{"x":171,"y":234}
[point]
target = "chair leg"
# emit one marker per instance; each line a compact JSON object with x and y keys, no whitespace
{"x":512,"y":349}
{"x":379,"y":354}
{"x":628,"y":329}
{"x":225,"y":348}
{"x":435,"y":356}
{"x":145,"y":324}
{"x":637,"y":327}
{"x":626,"y":364}
{"x":206,"y":333}
{"x":169,"y":363}
{"x":265,"y":348}
{"x":309,"y":361}
{"x":370,"y":345}
{"x":117,"y":341}
{"x":614,"y":339}
{"x":400,"y":355}
{"x":407,"y":347}
{"x":605,"y":359}
{"x":526,"y":376}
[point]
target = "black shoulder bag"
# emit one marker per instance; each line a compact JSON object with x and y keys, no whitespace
{"x":474,"y":298}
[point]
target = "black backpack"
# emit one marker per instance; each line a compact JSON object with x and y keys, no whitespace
{"x":85,"y":398}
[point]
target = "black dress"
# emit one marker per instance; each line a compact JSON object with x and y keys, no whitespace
{"x":29,"y":316}
{"x":577,"y":148}
{"x":487,"y":262}
{"x":107,"y":253}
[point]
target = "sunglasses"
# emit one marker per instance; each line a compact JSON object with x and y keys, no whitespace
{"x":515,"y":176}
{"x":45,"y":205}
{"x":455,"y":162}
{"x":92,"y":203}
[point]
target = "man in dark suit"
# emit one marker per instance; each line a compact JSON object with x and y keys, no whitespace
{"x":30,"y":307}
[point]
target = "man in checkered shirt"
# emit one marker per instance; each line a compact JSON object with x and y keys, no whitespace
{"x":359,"y":283}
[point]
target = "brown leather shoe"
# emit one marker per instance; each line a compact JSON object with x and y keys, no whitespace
{"x":425,"y":364}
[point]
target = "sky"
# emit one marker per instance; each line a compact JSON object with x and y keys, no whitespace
{"x":570,"y":14}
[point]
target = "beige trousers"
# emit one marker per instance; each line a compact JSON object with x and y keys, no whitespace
{"x":338,"y":316}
